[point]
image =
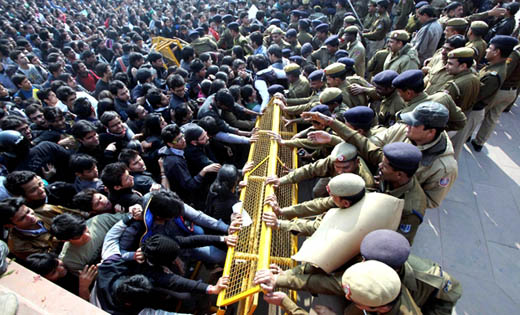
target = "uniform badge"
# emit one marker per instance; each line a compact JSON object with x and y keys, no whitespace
{"x":444,"y":181}
{"x":340,"y":158}
{"x":405,"y":228}
{"x":447,"y":286}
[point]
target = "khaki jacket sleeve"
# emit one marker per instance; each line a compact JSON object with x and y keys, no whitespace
{"x":315,"y":283}
{"x":371,"y":153}
{"x":301,"y":227}
{"x":308,"y":208}
{"x":292,"y":308}
{"x":319,"y":168}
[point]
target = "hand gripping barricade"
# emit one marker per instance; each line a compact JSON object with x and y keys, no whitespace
{"x":258,"y":246}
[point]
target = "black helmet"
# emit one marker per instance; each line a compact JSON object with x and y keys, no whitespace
{"x":13,"y":144}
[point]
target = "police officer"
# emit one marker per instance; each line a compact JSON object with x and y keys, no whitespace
{"x":391,"y":102}
{"x":238,"y":39}
{"x":400,"y":162}
{"x":333,"y":98}
{"x":437,"y":73}
{"x":424,"y":127}
{"x":294,"y":45}
{"x":325,"y":55}
{"x":361,"y":119}
{"x":402,"y":55}
{"x":322,"y":32}
{"x":376,"y":34}
{"x":355,"y":49}
{"x":303,"y":32}
{"x":202,"y":44}
{"x":337,"y":20}
{"x":403,"y":10}
{"x":430,"y":286}
{"x":298,"y":84}
{"x":410,"y":86}
{"x":476,"y":31}
{"x":337,"y":77}
{"x":463,"y":89}
{"x":493,"y":96}
{"x":343,"y":159}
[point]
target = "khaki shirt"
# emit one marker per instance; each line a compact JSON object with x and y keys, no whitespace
{"x":357,"y":51}
{"x":463,"y":89}
{"x":203,"y":44}
{"x":379,"y":28}
{"x":390,"y":106}
{"x":438,"y":169}
{"x":304,"y":37}
{"x":324,"y":168}
{"x":322,"y":58}
{"x":479,"y":46}
{"x":491,"y":79}
{"x":456,"y":120}
{"x":405,"y":59}
{"x":299,"y":89}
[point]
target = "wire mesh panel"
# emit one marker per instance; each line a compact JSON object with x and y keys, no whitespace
{"x":258,"y":246}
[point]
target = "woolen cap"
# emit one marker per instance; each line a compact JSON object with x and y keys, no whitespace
{"x":346,"y":184}
{"x":371,"y":283}
{"x":386,"y":246}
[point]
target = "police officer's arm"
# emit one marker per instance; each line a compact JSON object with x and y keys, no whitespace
{"x":319,"y":168}
{"x":489,"y":85}
{"x":378,"y":33}
{"x":366,"y":149}
{"x":300,"y":227}
{"x":298,"y":109}
{"x":315,"y":283}
{"x":298,"y":100}
{"x":457,"y":118}
{"x":308,"y":208}
{"x":437,"y":186}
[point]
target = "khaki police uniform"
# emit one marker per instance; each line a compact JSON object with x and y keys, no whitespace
{"x":304,"y":37}
{"x":390,"y":106}
{"x":203,"y":44}
{"x":437,"y":171}
{"x":357,"y":51}
{"x":457,"y":119}
{"x":405,"y":59}
{"x":299,"y":89}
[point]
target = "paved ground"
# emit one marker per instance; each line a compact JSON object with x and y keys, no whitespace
{"x":474,"y":234}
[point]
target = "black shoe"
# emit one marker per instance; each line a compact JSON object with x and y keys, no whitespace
{"x":468,"y":140}
{"x":476,"y":146}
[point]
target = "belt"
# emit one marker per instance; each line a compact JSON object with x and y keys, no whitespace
{"x":508,"y":88}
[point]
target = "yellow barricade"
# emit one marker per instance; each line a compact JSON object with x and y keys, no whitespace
{"x":258,"y":245}
{"x":163,"y":46}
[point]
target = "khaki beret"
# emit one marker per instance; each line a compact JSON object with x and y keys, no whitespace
{"x":371,"y":283}
{"x":346,"y":185}
{"x":343,"y":152}
{"x":335,"y":69}
{"x":349,"y":19}
{"x":276,"y":30}
{"x":400,"y":35}
{"x":292,"y":68}
{"x":463,"y":52}
{"x":329,"y":94}
{"x":457,"y":22}
{"x":479,"y":25}
{"x":352,"y":29}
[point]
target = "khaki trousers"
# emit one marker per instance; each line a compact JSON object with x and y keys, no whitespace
{"x":501,"y":100}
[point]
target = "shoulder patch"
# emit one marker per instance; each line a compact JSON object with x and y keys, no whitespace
{"x":405,"y":228}
{"x":444,"y":181}
{"x":447,"y":286}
